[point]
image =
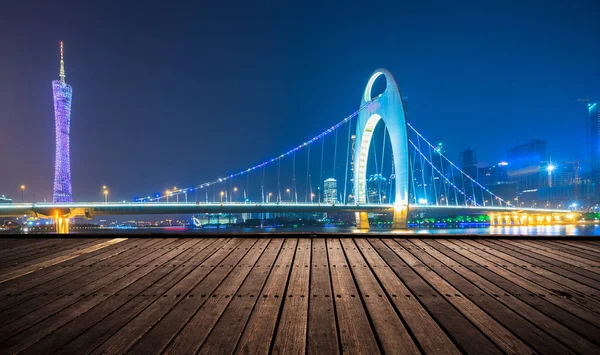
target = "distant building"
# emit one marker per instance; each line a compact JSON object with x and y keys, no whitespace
{"x":525,"y":163}
{"x":594,"y":119}
{"x":330,"y":190}
{"x":378,"y":189}
{"x":468,"y":162}
{"x":4,"y":199}
{"x":493,"y":174}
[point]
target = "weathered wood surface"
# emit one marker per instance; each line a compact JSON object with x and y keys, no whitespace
{"x":299,"y":296}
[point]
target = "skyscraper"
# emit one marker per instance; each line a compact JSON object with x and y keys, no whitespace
{"x":62,"y":117}
{"x":525,"y":164}
{"x":330,"y":190}
{"x":594,"y":134}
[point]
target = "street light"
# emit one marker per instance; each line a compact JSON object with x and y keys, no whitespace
{"x":234,"y":190}
{"x":167,"y":193}
{"x":22,"y":193}
{"x":269,"y":197}
{"x":312,"y":197}
{"x":222,"y":193}
{"x":105,"y":196}
{"x":289,"y":194}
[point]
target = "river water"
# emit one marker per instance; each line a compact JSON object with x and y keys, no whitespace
{"x":563,"y":230}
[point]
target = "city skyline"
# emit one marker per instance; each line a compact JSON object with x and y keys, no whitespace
{"x":101,"y":158}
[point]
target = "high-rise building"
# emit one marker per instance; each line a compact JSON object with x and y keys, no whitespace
{"x":525,"y":164}
{"x":468,"y":162}
{"x":330,"y":190}
{"x":378,"y":189}
{"x":62,"y":116}
{"x":594,"y":119}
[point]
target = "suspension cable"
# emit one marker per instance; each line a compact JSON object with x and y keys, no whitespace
{"x":321,"y":184}
{"x":433,"y":180}
{"x":278,"y":180}
{"x":347,"y":160}
{"x":457,"y":168}
{"x":424,"y":157}
{"x":335,"y":153}
{"x":307,"y":174}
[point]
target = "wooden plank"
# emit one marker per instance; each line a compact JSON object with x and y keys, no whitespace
{"x":193,"y":334}
{"x":515,"y":275}
{"x":29,"y":248}
{"x":169,"y":326}
{"x":30,"y":301}
{"x":43,"y":255}
{"x":86,"y":292}
{"x":594,"y":247}
{"x":550,"y":305}
{"x":525,"y":321}
{"x":506,"y":340}
{"x":570,"y":258}
{"x":77,"y":265}
{"x":142,"y":326}
{"x":291,"y":332}
{"x":539,"y":261}
{"x":551,"y":280}
{"x":226,"y":333}
{"x":65,"y":266}
{"x":322,"y":336}
{"x":258,"y":333}
{"x":25,"y":257}
{"x":389,"y":329}
{"x":33,"y":246}
{"x":57,"y":258}
{"x":468,"y":337}
{"x":427,"y":332}
{"x":92,"y":328}
{"x":356,"y":334}
{"x":49,"y":288}
{"x":555,"y":262}
{"x":137,"y":277}
{"x":562,"y":245}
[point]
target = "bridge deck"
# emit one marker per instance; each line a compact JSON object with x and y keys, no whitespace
{"x":313,"y":295}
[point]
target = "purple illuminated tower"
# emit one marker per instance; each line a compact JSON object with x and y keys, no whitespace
{"x":62,"y":115}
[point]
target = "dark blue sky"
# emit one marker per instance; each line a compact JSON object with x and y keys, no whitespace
{"x":172,"y":94}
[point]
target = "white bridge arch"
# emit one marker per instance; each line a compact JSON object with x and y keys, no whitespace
{"x":389,"y":108}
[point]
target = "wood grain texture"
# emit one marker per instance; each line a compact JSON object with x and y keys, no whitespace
{"x":299,"y":295}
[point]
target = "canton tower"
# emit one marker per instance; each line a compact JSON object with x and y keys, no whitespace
{"x":62,"y":116}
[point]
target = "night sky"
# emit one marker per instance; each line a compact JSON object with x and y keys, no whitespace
{"x":168,"y":94}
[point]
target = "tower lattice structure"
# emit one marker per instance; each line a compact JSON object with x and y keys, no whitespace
{"x":62,"y":116}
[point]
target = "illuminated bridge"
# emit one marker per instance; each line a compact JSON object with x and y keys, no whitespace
{"x":371,"y":161}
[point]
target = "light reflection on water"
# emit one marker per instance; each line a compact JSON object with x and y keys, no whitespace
{"x":570,"y":230}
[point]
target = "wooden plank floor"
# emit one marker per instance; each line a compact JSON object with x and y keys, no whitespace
{"x":299,"y":296}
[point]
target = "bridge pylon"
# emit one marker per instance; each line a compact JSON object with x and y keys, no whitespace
{"x":62,"y":225}
{"x":387,"y":107}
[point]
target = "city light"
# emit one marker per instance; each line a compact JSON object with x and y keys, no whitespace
{"x":550,"y":168}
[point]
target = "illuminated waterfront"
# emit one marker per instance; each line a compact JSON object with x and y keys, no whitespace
{"x":542,"y":231}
